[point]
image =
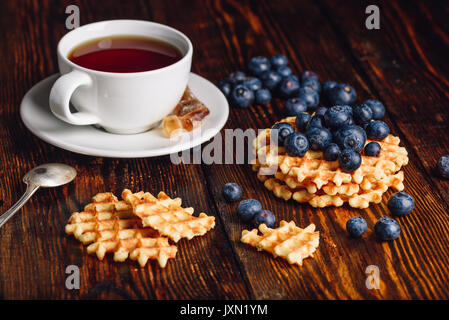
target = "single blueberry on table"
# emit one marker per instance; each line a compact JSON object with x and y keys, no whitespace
{"x":342,"y":94}
{"x":311,"y":96}
{"x":236,"y":77}
{"x":258,"y":65}
{"x":295,"y":106}
{"x":264,"y":216}
{"x":372,"y":149}
{"x":336,"y":117}
{"x":327,"y":85}
{"x":349,"y":160}
{"x":362,"y":114}
{"x":302,"y":120}
{"x":262,"y":96}
{"x":350,"y":137}
{"x":242,"y":96}
{"x":225,"y":87}
{"x":356,"y":227}
{"x":312,"y":83}
{"x":315,"y":121}
{"x":331,"y":152}
{"x":289,"y":87}
{"x":319,"y":138}
{"x":296,"y":144}
{"x":443,"y":166}
{"x":309,"y":75}
{"x":279,"y":60}
{"x":401,"y":204}
{"x":284,"y":71}
{"x":377,"y":108}
{"x":280,"y":131}
{"x":377,"y":130}
{"x":247,"y":209}
{"x":321,"y":111}
{"x":253,"y":83}
{"x":387,"y":229}
{"x":270,"y":79}
{"x":232,"y":191}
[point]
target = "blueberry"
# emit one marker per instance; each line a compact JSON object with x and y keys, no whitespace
{"x":247,"y":208}
{"x":225,"y":87}
{"x":289,"y":87}
{"x":372,"y":149}
{"x":302,"y":120}
{"x":387,"y":229}
{"x":443,"y":166}
{"x":279,"y":60}
{"x":315,"y":121}
{"x":319,"y":138}
{"x":377,"y":130}
{"x":311,"y":96}
{"x":232,"y":191}
{"x":295,"y":106}
{"x":377,"y":108}
{"x":342,"y":94}
{"x":264,"y":216}
{"x":327,"y":85}
{"x":296,"y":144}
{"x":242,"y":96}
{"x":236,"y":77}
{"x":280,"y":131}
{"x":350,"y":137}
{"x":356,"y":227}
{"x":321,"y":111}
{"x":263,"y":96}
{"x":401,"y":204}
{"x":253,"y":83}
{"x":362,"y":114}
{"x":271,"y":79}
{"x":331,"y":152}
{"x":258,"y":65}
{"x":284,"y":71}
{"x":349,"y":160}
{"x":336,"y":117}
{"x":312,"y":83}
{"x":309,"y":75}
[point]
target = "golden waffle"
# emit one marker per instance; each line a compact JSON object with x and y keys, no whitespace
{"x":394,"y":180}
{"x":288,"y":241}
{"x":167,"y":216}
{"x":314,"y":168}
{"x":322,"y":183}
{"x":109,"y":225}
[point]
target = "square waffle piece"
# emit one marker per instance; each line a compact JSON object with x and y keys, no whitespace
{"x":109,"y":225}
{"x":288,"y":241}
{"x":167,"y":216}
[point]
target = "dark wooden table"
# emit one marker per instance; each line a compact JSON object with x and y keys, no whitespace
{"x":403,"y":64}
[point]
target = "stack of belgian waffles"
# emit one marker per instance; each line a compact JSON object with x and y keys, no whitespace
{"x":138,"y":227}
{"x":311,"y":179}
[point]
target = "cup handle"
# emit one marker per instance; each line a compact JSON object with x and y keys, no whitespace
{"x":60,"y":95}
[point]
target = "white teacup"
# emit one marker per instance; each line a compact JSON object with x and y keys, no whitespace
{"x":122,"y":103}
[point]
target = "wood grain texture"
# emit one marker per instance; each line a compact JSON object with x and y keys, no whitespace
{"x":403,"y":65}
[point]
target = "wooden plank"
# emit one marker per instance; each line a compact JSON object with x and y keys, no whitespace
{"x":411,"y":267}
{"x":35,"y":250}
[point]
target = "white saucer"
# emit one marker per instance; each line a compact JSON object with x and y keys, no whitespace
{"x":90,"y":140}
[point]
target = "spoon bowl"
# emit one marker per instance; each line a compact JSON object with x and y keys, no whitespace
{"x":46,"y":175}
{"x":50,"y":175}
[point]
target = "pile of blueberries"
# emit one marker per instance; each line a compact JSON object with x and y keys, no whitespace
{"x":267,"y":78}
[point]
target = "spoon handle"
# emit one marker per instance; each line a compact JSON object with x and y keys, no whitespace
{"x":31,"y":189}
